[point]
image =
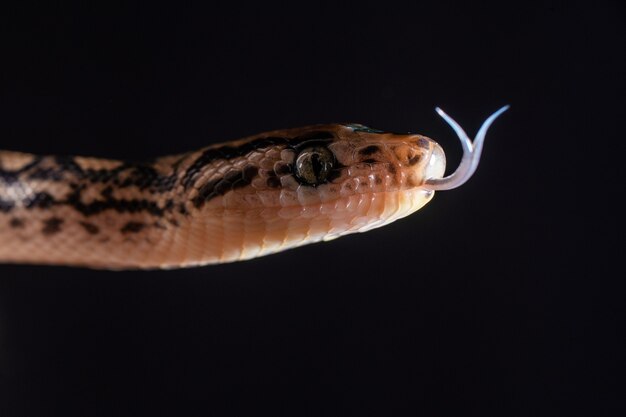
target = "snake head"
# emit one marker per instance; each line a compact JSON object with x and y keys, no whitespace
{"x":292,"y":187}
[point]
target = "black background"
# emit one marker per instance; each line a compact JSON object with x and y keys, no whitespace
{"x":498,"y":298}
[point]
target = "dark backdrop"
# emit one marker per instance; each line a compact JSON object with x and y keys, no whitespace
{"x":497,"y":298}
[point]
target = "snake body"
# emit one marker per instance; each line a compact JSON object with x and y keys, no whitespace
{"x":227,"y":202}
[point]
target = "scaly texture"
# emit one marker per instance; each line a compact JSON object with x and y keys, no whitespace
{"x":224,"y":203}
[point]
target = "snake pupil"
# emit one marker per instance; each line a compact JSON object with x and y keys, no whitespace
{"x":317,"y":166}
{"x":314,"y":164}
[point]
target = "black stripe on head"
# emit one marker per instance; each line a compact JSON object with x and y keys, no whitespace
{"x":228,"y":152}
{"x":220,"y":186}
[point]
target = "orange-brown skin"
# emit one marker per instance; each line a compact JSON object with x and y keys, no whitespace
{"x":228,"y":202}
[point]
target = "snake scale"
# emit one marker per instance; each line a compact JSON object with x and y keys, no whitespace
{"x":226,"y":202}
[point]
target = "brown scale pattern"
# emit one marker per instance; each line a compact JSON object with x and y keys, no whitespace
{"x":227,"y":202}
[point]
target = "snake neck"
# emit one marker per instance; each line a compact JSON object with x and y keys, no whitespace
{"x":89,"y":187}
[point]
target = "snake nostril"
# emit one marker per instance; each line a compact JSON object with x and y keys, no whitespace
{"x":408,"y":155}
{"x":414,"y":159}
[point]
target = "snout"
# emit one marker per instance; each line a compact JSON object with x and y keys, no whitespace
{"x":436,"y":164}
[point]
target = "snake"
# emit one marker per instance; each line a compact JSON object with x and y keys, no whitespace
{"x":227,"y":202}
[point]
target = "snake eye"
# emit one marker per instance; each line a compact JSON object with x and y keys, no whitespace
{"x":313,"y":165}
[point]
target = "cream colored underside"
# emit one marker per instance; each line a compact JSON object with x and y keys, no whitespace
{"x":220,"y":235}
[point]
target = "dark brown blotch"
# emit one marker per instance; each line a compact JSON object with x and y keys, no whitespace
{"x":132,"y":227}
{"x":232,"y":176}
{"x":40,"y":200}
{"x":159,"y":225}
{"x":249,"y":172}
{"x":283,"y":169}
{"x":6,"y":206}
{"x":205,"y":193}
{"x":273,"y":182}
{"x":90,"y":228}
{"x":368,"y":150}
{"x":52,"y":226}
{"x":16,"y":223}
{"x":423,"y":143}
{"x":107,"y":192}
